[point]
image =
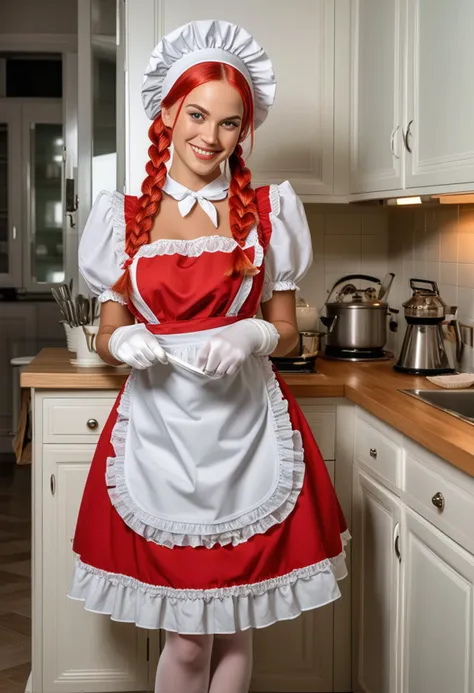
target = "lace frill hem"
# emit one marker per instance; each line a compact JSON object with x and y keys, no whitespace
{"x":110,"y":295}
{"x":236,"y":531}
{"x":220,"y":610}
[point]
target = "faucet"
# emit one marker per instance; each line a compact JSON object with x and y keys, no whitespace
{"x":463,"y":356}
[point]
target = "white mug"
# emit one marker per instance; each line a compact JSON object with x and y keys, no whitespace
{"x":86,"y":347}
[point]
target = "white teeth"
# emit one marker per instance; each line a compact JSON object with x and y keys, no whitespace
{"x":203,"y":151}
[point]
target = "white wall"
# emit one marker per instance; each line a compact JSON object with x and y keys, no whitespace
{"x":38,"y":16}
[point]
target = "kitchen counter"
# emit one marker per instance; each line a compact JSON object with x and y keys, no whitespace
{"x":373,"y":386}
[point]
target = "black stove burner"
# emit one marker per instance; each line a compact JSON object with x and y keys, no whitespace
{"x":337,"y":354}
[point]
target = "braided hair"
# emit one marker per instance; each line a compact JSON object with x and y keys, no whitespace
{"x":242,"y":200}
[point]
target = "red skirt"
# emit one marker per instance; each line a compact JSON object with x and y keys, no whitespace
{"x":274,"y":576}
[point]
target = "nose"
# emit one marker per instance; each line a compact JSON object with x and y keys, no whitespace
{"x":210,"y":134}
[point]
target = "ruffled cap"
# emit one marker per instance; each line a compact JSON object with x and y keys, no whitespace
{"x":203,"y":41}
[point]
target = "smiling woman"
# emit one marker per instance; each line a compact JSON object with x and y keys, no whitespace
{"x":208,"y":511}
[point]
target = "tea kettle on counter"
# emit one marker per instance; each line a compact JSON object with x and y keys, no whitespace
{"x":361,"y":314}
{"x":423,"y":350}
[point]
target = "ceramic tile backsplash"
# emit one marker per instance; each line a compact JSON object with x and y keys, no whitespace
{"x":434,"y":242}
{"x":346,"y":240}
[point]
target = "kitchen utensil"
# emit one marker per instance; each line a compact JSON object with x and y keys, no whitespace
{"x":361,"y":319}
{"x":83,"y":310}
{"x":423,"y":350}
{"x":175,"y":360}
{"x":306,"y":316}
{"x":63,"y":306}
{"x":385,"y":287}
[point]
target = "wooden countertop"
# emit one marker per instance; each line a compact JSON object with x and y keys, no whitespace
{"x":373,"y":386}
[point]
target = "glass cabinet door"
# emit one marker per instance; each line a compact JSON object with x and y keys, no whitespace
{"x":43,"y":146}
{"x":10,"y":200}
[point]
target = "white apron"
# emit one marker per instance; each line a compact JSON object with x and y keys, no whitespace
{"x":201,"y":460}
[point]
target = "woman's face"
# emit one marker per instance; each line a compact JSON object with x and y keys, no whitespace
{"x":208,"y":126}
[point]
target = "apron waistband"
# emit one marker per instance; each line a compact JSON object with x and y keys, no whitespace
{"x":183,"y":327}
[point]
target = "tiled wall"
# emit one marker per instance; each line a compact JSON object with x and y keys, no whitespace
{"x":434,"y":242}
{"x":346,"y":240}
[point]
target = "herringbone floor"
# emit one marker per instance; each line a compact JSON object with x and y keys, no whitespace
{"x":15,"y":577}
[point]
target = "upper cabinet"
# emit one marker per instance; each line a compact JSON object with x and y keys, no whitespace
{"x":412,"y":102}
{"x":297,"y":140}
{"x":376,"y":122}
{"x":439,"y":95}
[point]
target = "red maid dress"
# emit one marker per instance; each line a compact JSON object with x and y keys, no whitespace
{"x":208,"y":507}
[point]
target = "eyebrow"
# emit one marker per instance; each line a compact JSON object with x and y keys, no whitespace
{"x":195,"y":105}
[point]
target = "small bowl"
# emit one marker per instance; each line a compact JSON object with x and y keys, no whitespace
{"x":457,"y":381}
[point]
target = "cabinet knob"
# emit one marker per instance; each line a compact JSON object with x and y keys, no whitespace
{"x":92,"y":424}
{"x":438,"y":500}
{"x":373,"y":453}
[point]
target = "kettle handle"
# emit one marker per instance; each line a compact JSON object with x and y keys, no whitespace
{"x":432,"y":284}
{"x":348,"y":277}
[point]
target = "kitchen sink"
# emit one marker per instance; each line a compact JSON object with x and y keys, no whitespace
{"x":459,"y":403}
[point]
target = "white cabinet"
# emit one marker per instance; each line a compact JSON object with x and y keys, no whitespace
{"x":376,"y":517}
{"x":376,"y":118}
{"x":85,"y":651}
{"x":413,"y":597}
{"x":440,"y":100}
{"x":412,"y":102}
{"x":438,"y":610}
{"x":297,"y":140}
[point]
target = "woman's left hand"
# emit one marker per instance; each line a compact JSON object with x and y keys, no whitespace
{"x":224,"y":353}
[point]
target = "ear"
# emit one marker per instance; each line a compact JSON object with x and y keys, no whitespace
{"x":166,"y":117}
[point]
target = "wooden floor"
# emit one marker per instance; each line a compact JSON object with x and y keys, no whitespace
{"x":15,"y":576}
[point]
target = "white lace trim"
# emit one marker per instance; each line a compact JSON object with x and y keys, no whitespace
{"x":285,"y":286}
{"x":110,"y":295}
{"x":215,"y":610}
{"x":236,"y":531}
{"x":274,"y":196}
{"x":195,"y":246}
{"x":119,"y":225}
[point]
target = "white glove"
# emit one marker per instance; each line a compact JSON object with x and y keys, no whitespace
{"x":224,"y":353}
{"x":136,"y":346}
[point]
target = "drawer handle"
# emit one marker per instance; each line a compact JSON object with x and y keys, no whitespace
{"x":373,"y":453}
{"x":438,"y":500}
{"x":92,"y":424}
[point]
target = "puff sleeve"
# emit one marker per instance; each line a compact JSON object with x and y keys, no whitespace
{"x":289,"y":254}
{"x":102,"y":246}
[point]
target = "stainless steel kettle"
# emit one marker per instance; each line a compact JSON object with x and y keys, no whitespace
{"x":423,"y":350}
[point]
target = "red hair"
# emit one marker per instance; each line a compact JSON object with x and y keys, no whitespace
{"x":242,"y":201}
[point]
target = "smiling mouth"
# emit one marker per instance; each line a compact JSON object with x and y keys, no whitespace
{"x":204,"y":153}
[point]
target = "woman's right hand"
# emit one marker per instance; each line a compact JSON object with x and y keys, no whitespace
{"x":136,"y":346}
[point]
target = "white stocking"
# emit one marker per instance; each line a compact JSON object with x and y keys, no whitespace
{"x":231,"y":664}
{"x":184,"y":664}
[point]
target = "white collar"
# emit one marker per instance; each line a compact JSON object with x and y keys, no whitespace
{"x":216,"y":190}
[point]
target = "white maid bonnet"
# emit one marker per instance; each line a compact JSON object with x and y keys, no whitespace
{"x":203,"y":41}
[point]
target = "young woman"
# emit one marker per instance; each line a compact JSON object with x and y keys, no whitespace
{"x":208,"y":510}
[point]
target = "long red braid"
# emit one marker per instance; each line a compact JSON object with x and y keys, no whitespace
{"x":242,"y":199}
{"x":138,"y":228}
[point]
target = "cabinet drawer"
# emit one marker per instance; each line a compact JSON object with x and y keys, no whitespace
{"x":428,"y":489}
{"x":74,"y":420}
{"x":375,"y":450}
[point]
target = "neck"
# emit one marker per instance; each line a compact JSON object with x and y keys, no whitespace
{"x":182,"y":174}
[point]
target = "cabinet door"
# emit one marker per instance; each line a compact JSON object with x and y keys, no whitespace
{"x":43,"y":174}
{"x":438,"y":610}
{"x":82,"y":651}
{"x":11,"y":221}
{"x":440,"y":99}
{"x":376,"y":135}
{"x":296,"y":142}
{"x":376,"y":517}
